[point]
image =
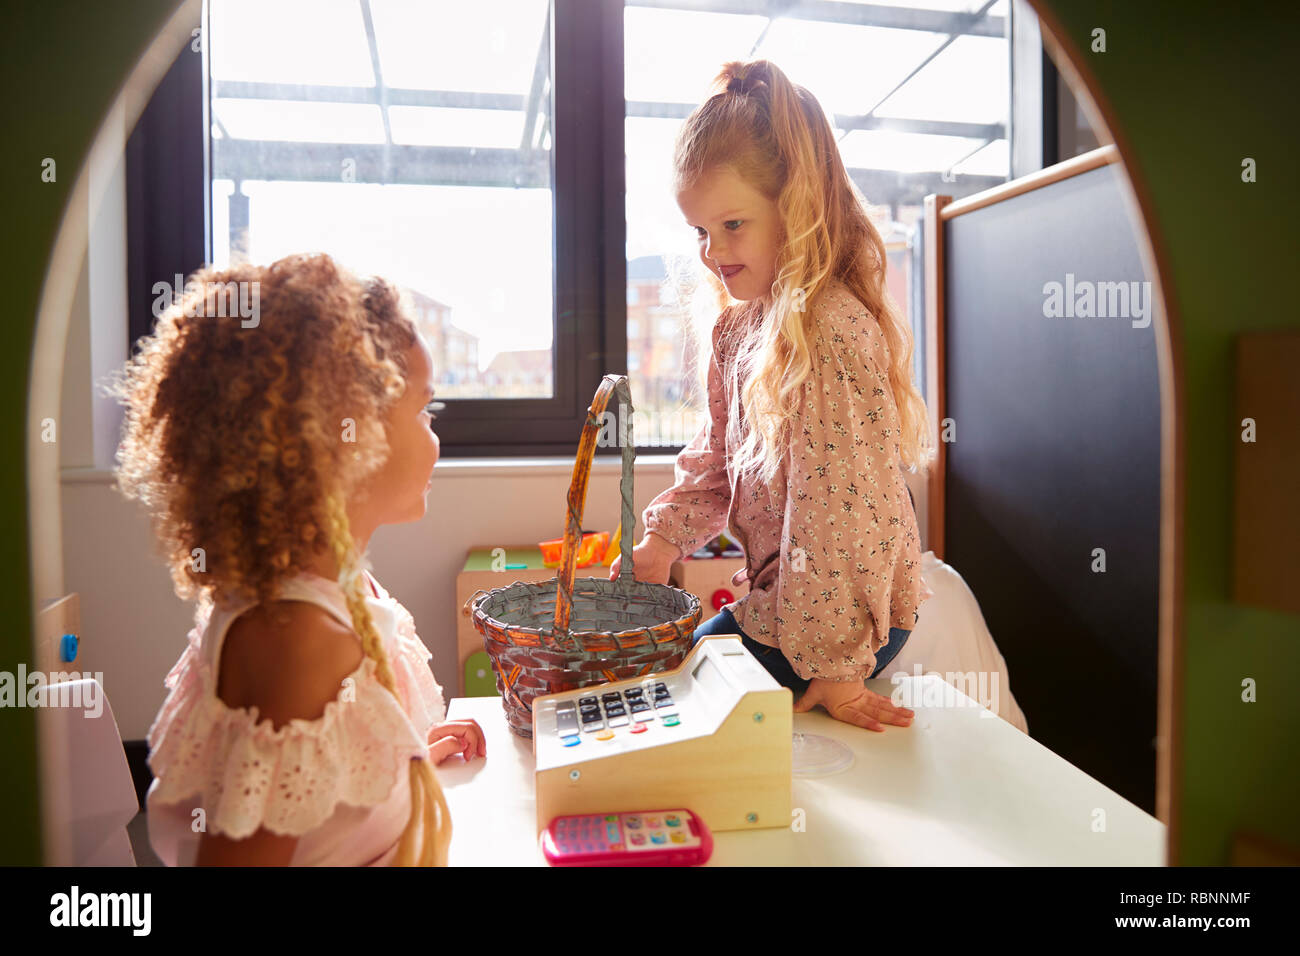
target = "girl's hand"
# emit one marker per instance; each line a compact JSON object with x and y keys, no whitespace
{"x":652,"y":559}
{"x":852,"y":703}
{"x":456,"y":736}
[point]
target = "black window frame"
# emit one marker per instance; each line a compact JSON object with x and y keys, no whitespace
{"x":169,"y":217}
{"x":168,"y":199}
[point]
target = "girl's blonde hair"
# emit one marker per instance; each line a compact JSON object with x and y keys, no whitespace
{"x":775,"y":136}
{"x":244,"y":439}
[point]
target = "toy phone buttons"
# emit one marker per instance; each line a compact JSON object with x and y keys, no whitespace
{"x":605,"y":735}
{"x":68,"y":648}
{"x":572,"y":740}
{"x":638,"y":729}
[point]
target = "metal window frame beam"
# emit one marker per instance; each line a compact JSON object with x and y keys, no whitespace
{"x":503,"y":168}
{"x":850,"y":14}
{"x":284,"y":161}
{"x":230,"y":89}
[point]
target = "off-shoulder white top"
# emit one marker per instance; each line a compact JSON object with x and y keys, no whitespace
{"x":339,"y":783}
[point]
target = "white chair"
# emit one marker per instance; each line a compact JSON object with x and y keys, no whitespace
{"x":100,"y":798}
{"x":951,"y":637}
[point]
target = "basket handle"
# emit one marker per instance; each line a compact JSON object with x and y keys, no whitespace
{"x":609,"y":385}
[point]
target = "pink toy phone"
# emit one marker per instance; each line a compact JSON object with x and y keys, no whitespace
{"x":651,"y":838}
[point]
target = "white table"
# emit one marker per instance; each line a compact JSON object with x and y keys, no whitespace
{"x":954,"y":788}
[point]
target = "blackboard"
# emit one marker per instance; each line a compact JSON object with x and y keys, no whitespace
{"x":1056,"y":454}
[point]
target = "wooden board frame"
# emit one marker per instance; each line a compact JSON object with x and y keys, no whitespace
{"x":941,"y":209}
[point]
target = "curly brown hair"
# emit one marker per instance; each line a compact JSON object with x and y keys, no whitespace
{"x":234,"y":436}
{"x":245,"y":441}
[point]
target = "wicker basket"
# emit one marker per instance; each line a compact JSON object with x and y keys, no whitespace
{"x":555,"y":636}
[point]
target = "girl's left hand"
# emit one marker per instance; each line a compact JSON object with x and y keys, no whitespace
{"x":852,"y":703}
{"x":456,"y":736}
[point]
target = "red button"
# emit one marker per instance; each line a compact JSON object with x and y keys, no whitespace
{"x":720,"y":597}
{"x":638,"y":729}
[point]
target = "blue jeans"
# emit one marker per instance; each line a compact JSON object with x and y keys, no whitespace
{"x":775,"y":662}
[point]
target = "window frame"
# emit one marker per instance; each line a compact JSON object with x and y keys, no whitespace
{"x":169,"y":195}
{"x":169,"y":173}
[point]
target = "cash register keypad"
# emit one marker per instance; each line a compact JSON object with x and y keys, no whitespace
{"x":612,"y":710}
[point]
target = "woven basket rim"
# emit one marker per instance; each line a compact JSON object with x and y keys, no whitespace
{"x":582,"y":635}
{"x":479,"y":615}
{"x":600,"y":582}
{"x":485,"y":623}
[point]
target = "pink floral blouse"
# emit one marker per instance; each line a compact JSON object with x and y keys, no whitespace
{"x":832,"y":550}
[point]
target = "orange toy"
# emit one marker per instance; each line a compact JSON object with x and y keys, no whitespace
{"x":591,"y":550}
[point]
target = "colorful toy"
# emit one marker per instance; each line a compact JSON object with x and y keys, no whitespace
{"x":594,"y":547}
{"x":712,"y":734}
{"x":652,"y":838}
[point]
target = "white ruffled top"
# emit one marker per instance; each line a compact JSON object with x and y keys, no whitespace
{"x":340,"y":783}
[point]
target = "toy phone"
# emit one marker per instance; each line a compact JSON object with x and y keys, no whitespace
{"x":649,"y":838}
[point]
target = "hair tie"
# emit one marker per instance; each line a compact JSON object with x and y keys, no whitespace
{"x":745,"y":82}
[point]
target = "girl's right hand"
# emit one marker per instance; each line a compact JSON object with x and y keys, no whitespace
{"x":652,"y":560}
{"x":464,"y":737}
{"x":851,"y":702}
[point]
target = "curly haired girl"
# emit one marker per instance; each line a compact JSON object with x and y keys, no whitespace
{"x":302,"y":719}
{"x":812,"y":409}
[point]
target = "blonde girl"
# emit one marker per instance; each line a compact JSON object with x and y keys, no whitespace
{"x":302,"y":720}
{"x":812,"y":412}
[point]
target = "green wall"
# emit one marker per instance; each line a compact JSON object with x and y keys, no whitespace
{"x":1192,"y":88}
{"x":63,"y":63}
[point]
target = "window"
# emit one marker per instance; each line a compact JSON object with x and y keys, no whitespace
{"x":418,"y":141}
{"x":508,"y":164}
{"x":407,"y":141}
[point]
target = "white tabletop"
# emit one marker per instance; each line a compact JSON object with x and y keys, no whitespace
{"x":954,"y":788}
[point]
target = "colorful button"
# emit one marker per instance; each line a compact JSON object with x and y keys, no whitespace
{"x":605,"y":735}
{"x":652,"y":821}
{"x":618,"y":848}
{"x":671,"y":720}
{"x":679,"y":837}
{"x":638,"y":839}
{"x":658,"y":838}
{"x":611,"y":819}
{"x":638,"y":729}
{"x":673,"y":820}
{"x":633,"y":823}
{"x":571,"y":741}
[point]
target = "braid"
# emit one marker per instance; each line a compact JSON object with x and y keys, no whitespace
{"x":428,"y":830}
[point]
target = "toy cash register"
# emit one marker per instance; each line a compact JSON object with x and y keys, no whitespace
{"x":712,"y":735}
